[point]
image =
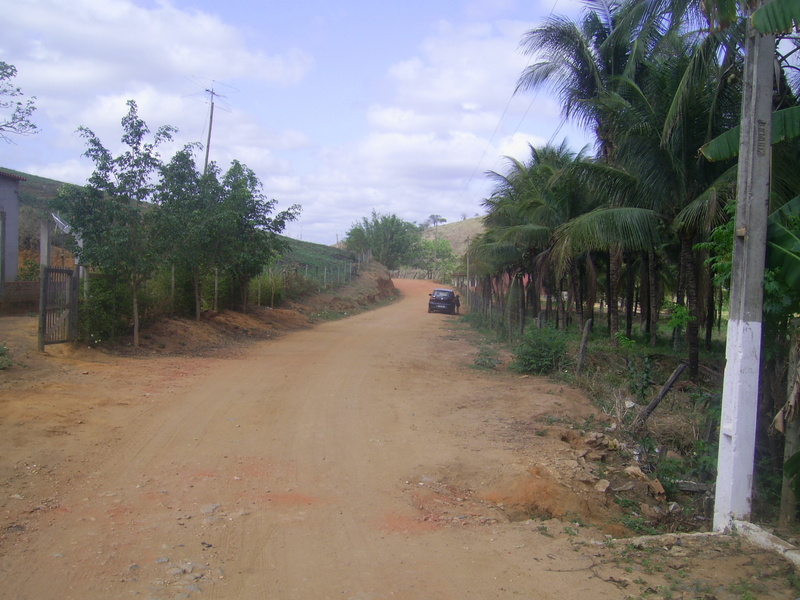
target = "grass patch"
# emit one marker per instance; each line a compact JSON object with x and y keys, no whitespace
{"x":487,"y":358}
{"x":6,"y":360}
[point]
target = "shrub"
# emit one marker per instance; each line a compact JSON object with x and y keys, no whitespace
{"x":5,"y":357}
{"x":29,"y":271}
{"x":541,"y":351}
{"x":105,"y":313}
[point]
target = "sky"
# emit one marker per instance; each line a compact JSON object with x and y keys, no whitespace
{"x":342,"y":107}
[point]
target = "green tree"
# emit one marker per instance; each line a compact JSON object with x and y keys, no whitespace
{"x":436,"y":258}
{"x":112,"y":214}
{"x":529,"y":202}
{"x":391,"y":240}
{"x":250,"y":234}
{"x":15,"y":115}
{"x":190,"y":203}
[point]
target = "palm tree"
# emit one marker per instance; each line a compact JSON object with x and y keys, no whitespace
{"x":579,"y":61}
{"x":528,"y":204}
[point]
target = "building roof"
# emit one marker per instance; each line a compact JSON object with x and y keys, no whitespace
{"x":12,"y":176}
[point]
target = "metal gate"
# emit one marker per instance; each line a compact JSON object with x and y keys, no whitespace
{"x":58,"y":307}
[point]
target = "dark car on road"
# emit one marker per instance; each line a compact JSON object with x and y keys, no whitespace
{"x":445,"y":301}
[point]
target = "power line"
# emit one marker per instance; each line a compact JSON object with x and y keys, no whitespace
{"x":500,"y":121}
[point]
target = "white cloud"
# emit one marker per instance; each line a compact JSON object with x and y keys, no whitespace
{"x":441,"y":127}
{"x":419,"y":145}
{"x":87,"y":43}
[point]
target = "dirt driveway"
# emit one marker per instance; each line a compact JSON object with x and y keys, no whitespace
{"x":361,"y":459}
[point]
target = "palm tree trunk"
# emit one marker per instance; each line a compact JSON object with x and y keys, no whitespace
{"x":692,"y":327}
{"x":680,"y":300}
{"x":591,"y":287}
{"x":644,"y":293}
{"x":710,"y":311}
{"x":653,"y":293}
{"x":615,"y":271}
{"x":630,"y":282}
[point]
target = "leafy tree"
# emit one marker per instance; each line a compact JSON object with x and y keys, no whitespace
{"x":190,"y":205}
{"x":391,"y":240}
{"x":250,"y":235}
{"x":112,"y":214}
{"x":15,"y":115}
{"x":435,"y":257}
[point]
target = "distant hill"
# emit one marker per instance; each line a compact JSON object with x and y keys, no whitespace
{"x":458,"y":233}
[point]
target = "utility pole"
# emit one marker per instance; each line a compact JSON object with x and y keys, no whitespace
{"x":212,"y":93}
{"x":740,"y":391}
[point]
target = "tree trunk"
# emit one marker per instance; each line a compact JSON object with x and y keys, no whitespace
{"x":680,"y":300}
{"x":692,"y":327}
{"x":788,"y":513}
{"x":641,"y":418}
{"x":245,"y":287}
{"x":587,"y":328}
{"x":653,"y":293}
{"x":629,"y":293}
{"x":591,"y":287}
{"x":135,"y":295}
{"x":710,"y":311}
{"x":523,"y":313}
{"x":644,"y":294}
{"x":196,"y":281}
{"x":615,"y":271}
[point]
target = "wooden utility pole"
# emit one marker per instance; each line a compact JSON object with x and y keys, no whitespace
{"x":210,"y":125}
{"x":740,"y":391}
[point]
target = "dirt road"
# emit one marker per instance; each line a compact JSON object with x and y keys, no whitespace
{"x":362,"y":459}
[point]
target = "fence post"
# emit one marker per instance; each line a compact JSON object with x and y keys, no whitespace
{"x":42,"y":307}
{"x":74,"y":282}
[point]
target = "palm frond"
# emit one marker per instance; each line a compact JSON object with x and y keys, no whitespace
{"x":630,"y":228}
{"x":779,"y":16}
{"x":785,"y":126}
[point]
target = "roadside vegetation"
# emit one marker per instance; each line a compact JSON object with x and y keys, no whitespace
{"x":612,"y":270}
{"x":401,"y":246}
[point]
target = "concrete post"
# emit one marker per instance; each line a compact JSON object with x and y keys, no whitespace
{"x":743,"y":351}
{"x":44,"y":242}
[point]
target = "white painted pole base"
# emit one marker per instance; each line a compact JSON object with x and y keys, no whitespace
{"x":738,"y":425}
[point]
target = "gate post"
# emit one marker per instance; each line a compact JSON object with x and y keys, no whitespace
{"x":43,"y":277}
{"x":44,"y":263}
{"x":74,"y":290}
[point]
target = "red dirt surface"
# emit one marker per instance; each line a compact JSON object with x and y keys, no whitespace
{"x":357,"y":459}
